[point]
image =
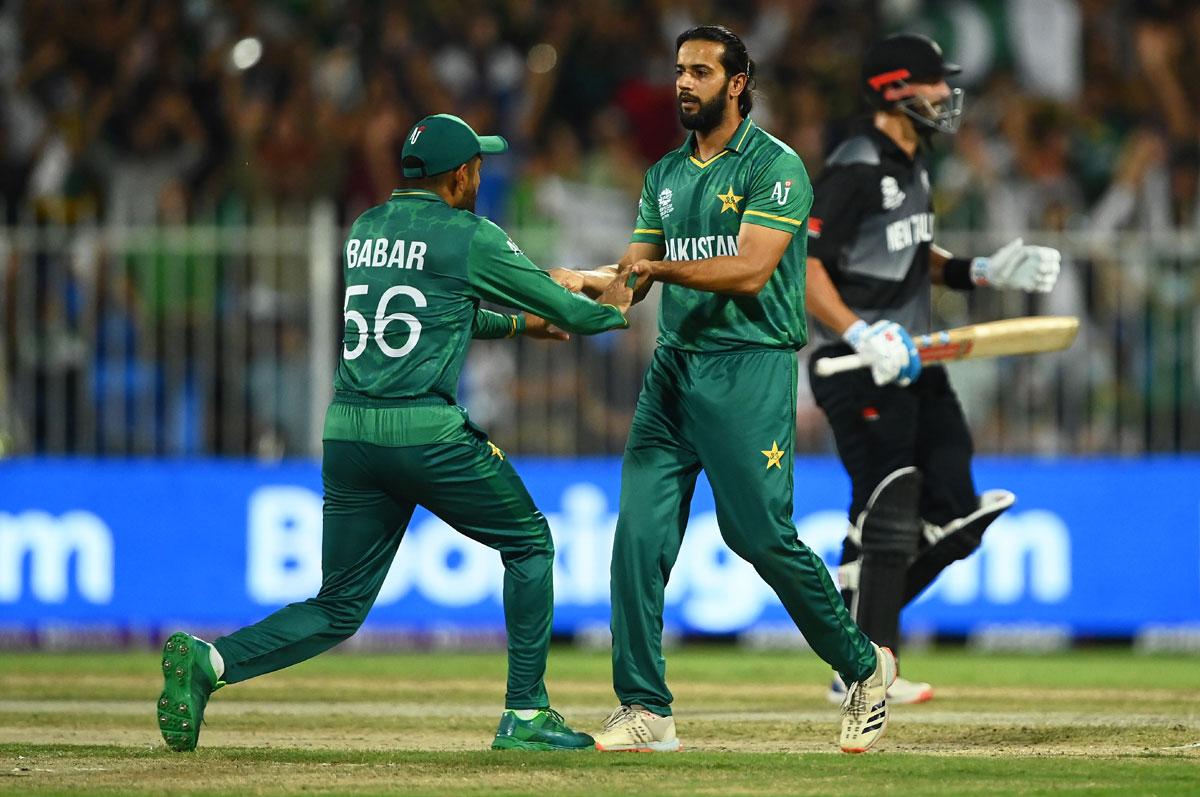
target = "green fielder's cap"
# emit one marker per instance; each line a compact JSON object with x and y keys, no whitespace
{"x":443,"y":142}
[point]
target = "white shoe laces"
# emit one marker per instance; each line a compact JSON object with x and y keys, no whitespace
{"x":855,"y":703}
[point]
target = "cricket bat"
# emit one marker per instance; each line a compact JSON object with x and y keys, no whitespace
{"x":1029,"y":335}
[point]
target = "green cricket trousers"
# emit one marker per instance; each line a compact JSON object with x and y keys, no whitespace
{"x":734,"y":416}
{"x":370,"y":494}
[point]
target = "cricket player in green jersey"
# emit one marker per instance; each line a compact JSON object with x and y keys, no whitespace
{"x":416,"y":269}
{"x":721,"y":224}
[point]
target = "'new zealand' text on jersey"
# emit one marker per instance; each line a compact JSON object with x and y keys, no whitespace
{"x":871,"y":228}
{"x":415,"y":271}
{"x":695,"y":209}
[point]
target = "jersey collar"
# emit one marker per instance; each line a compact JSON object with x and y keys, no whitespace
{"x":737,"y":143}
{"x":891,"y":149}
{"x":415,"y":193}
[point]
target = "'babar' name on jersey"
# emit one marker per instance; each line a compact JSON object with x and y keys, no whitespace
{"x":385,"y":253}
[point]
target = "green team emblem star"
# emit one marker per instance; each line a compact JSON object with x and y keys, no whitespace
{"x":774,"y":456}
{"x":729,"y":200}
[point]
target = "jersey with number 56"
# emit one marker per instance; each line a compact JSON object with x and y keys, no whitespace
{"x":415,"y":272}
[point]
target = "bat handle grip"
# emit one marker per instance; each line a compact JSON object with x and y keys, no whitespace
{"x":828,"y":366}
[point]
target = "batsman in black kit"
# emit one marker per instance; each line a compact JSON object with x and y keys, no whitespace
{"x":899,"y":429}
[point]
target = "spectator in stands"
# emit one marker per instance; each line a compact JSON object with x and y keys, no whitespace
{"x":231,"y":108}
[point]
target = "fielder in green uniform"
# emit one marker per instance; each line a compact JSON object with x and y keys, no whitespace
{"x":416,"y":268}
{"x":721,"y":224}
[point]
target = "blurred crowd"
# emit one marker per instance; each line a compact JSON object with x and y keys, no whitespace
{"x":1081,"y":115}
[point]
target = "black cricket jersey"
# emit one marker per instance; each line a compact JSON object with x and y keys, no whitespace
{"x":871,"y":227}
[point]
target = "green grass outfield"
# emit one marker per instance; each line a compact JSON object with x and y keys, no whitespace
{"x":752,"y":723}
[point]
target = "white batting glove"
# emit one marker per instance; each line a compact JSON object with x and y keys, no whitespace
{"x":888,"y":349}
{"x":1033,"y":269}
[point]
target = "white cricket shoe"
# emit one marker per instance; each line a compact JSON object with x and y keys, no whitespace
{"x":902,"y":692}
{"x":865,"y":709}
{"x":633,"y":729}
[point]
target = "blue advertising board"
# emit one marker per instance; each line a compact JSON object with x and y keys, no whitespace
{"x":1096,"y":546}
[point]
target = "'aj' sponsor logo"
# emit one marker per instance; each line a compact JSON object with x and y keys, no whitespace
{"x":781,"y":191}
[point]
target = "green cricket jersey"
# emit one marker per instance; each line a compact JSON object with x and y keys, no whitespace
{"x":695,"y":208}
{"x":415,"y":272}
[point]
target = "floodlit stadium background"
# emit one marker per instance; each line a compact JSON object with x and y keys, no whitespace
{"x":177,"y":179}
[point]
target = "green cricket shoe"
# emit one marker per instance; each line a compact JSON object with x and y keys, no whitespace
{"x":546,"y":731}
{"x":188,"y":680}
